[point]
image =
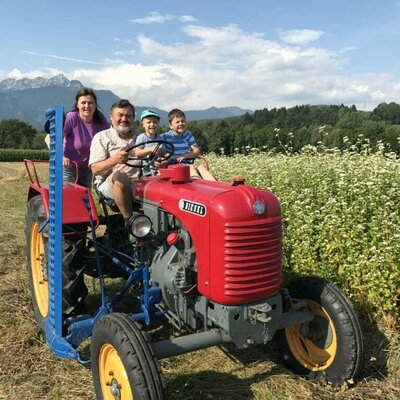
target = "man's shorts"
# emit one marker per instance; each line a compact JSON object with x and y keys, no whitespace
{"x":106,"y":190}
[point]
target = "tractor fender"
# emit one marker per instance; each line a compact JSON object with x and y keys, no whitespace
{"x":74,"y":210}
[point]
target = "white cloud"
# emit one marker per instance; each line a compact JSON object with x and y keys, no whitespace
{"x":300,"y":36}
{"x":228,"y":66}
{"x":153,"y":18}
{"x":123,"y":53}
{"x":187,"y":18}
{"x":17,"y":74}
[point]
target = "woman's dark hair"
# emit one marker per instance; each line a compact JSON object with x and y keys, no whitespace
{"x":85,"y":91}
{"x":123,"y":103}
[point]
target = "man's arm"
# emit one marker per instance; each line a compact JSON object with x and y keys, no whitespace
{"x":102,"y":167}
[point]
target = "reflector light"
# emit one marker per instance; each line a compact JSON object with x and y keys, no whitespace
{"x":173,"y":238}
{"x":259,"y":207}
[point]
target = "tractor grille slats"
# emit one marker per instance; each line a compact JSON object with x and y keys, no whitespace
{"x":252,"y":255}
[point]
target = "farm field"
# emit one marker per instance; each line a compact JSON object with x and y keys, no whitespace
{"x":341,"y":218}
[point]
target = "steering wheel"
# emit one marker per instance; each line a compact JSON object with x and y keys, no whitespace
{"x":162,"y":151}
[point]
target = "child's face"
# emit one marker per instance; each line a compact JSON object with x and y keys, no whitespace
{"x":150,"y":125}
{"x":178,"y":125}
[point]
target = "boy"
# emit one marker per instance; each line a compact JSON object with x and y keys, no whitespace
{"x":150,"y":122}
{"x":186,"y":148}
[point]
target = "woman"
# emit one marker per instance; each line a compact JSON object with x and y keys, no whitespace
{"x":80,"y":125}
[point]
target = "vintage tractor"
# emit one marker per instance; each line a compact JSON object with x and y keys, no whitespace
{"x":204,"y":256}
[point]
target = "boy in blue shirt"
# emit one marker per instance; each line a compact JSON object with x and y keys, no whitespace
{"x":186,"y":148}
{"x":150,"y":121}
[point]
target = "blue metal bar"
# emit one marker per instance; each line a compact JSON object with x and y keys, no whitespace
{"x":54,"y":321}
{"x":144,"y":300}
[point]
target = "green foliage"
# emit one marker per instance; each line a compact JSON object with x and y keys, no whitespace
{"x":341,"y":214}
{"x":389,"y":113}
{"x":10,"y":155}
{"x":16,"y":134}
{"x":38,"y":141}
{"x":281,"y":129}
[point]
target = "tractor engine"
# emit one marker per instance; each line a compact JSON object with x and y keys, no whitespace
{"x":173,"y":268}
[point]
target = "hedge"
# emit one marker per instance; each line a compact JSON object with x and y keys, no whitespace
{"x":11,"y":155}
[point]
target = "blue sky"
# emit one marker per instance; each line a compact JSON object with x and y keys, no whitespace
{"x":196,"y":54}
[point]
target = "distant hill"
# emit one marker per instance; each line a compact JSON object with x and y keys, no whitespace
{"x":27,"y":99}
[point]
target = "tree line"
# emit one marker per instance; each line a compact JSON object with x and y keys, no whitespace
{"x":278,"y":129}
{"x":290,"y":129}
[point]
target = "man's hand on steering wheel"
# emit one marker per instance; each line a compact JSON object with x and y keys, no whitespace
{"x":154,"y":159}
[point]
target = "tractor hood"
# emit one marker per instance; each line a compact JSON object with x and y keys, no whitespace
{"x":235,"y":228}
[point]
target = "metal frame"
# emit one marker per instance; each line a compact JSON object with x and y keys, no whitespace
{"x":80,"y":327}
{"x":53,"y":328}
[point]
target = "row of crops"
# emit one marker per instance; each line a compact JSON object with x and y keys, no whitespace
{"x":341,"y":214}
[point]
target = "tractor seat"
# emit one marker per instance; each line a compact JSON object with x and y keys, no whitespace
{"x":109,"y":202}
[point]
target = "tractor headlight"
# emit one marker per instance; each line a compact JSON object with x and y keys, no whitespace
{"x":140,"y":225}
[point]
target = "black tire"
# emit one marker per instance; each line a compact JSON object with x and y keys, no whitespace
{"x":123,"y":363}
{"x":330,"y":347}
{"x":74,"y":289}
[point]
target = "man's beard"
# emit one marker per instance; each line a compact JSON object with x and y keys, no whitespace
{"x":123,"y":129}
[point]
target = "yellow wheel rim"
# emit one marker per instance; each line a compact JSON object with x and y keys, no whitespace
{"x":113,"y":377}
{"x":38,"y":269}
{"x":314,"y":345}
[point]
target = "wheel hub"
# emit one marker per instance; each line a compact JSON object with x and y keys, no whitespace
{"x":313,"y":344}
{"x":112,"y":373}
{"x":115,"y":389}
{"x":318,"y":331}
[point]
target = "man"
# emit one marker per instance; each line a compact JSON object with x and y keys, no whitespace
{"x":107,"y":160}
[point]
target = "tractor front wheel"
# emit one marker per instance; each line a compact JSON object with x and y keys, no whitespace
{"x":330,"y":346}
{"x":123,"y":363}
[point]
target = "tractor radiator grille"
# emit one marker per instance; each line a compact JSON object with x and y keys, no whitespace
{"x":252,"y":257}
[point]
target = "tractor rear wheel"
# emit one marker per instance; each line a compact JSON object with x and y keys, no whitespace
{"x":330,"y":346}
{"x":74,"y":289}
{"x":123,"y":363}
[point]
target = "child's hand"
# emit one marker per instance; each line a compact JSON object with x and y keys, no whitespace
{"x":160,"y":163}
{"x":180,"y":159}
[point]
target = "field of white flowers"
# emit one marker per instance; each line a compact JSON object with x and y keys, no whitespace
{"x":341,"y":214}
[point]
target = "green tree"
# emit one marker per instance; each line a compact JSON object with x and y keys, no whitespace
{"x":220,"y":138}
{"x":38,"y":141}
{"x":16,"y":134}
{"x":389,"y":113}
{"x":200,"y":137}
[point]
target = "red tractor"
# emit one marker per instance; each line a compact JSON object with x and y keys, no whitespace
{"x":205,"y":256}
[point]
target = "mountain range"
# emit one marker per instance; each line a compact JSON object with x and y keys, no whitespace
{"x":27,"y":99}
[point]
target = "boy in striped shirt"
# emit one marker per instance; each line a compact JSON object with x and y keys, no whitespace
{"x":186,"y":148}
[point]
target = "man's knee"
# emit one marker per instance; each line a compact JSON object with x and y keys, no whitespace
{"x":119,"y":179}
